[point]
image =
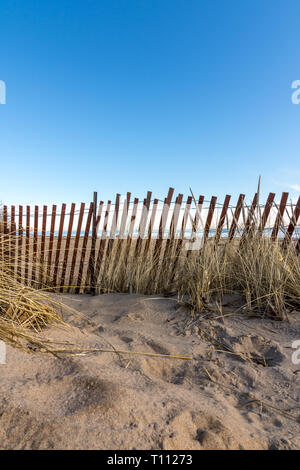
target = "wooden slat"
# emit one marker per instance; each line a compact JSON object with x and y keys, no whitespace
{"x":76,"y":243}
{"x":27,"y":244}
{"x":266,"y":213}
{"x":222,"y":218}
{"x":181,"y":240}
{"x":236,"y":216}
{"x":83,"y":249}
{"x":185,"y":218}
{"x":67,"y":247}
{"x":43,"y":242}
{"x":251,"y":211}
{"x":172,"y":233}
{"x":196,"y":220}
{"x":92,"y":259}
{"x":162,"y":224}
{"x":5,"y":247}
{"x":279,"y":216}
{"x":58,"y":245}
{"x":133,"y":218}
{"x":131,"y":228}
{"x":51,"y":240}
{"x":5,"y":218}
{"x":35,"y":242}
{"x":20,"y":243}
{"x":150,"y":228}
{"x":209,"y":217}
{"x":12,"y":238}
{"x":124,"y":216}
{"x":114,"y":226}
{"x":143,"y":222}
{"x":101,"y":250}
{"x":121,"y":236}
{"x":109,"y":264}
{"x":293,"y":222}
{"x":175,"y":217}
{"x":99,"y":213}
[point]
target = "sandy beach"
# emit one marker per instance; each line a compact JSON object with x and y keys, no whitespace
{"x":240,"y":390}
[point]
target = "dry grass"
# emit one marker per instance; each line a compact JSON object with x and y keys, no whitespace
{"x":265,"y":274}
{"x":24,"y":311}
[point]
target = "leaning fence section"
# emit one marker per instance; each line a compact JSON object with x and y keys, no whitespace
{"x":68,"y":247}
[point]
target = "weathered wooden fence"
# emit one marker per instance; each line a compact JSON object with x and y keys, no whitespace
{"x":66,"y":249}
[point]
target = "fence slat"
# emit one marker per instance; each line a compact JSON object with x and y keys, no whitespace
{"x":250,"y":222}
{"x":12,"y":238}
{"x":124,"y":216}
{"x":175,"y":216}
{"x":27,"y":244}
{"x":35,"y":242}
{"x":293,"y":223}
{"x":5,"y":218}
{"x":120,"y":238}
{"x":209,"y":217}
{"x":179,"y":244}
{"x":172,"y":233}
{"x":113,"y":229}
{"x":76,"y":243}
{"x":100,"y":257}
{"x":197,"y":217}
{"x":5,"y":239}
{"x":109,"y":263}
{"x":250,"y":216}
{"x":58,"y":245}
{"x":51,"y":240}
{"x":150,"y":228}
{"x":92,"y":260}
{"x":83,"y":249}
{"x":266,"y":213}
{"x":279,"y":216}
{"x":99,"y":214}
{"x":162,"y":224}
{"x":131,"y":228}
{"x":222,"y":218}
{"x":236,"y":216}
{"x":67,"y":247}
{"x":143,"y":222}
{"x":20,"y":244}
{"x":43,"y":241}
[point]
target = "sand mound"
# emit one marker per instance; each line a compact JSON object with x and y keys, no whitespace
{"x":118,"y":401}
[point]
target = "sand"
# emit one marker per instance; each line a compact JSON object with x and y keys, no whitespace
{"x":118,"y":401}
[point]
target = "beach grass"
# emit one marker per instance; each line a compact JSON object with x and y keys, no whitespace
{"x":264,"y":273}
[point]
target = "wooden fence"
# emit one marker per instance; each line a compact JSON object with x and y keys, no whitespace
{"x":67,"y":249}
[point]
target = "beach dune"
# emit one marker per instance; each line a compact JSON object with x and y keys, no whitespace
{"x":240,"y":390}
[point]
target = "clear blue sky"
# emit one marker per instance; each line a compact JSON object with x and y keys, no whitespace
{"x":137,"y":95}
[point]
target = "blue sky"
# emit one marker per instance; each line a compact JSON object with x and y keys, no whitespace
{"x":127,"y":95}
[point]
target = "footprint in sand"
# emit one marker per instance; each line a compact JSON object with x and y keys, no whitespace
{"x":126,"y":339}
{"x":259,"y":350}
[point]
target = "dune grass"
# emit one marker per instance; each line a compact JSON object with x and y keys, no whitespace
{"x":264,"y":273}
{"x":24,"y":311}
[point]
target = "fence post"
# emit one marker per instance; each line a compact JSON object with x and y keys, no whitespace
{"x":92,"y":266}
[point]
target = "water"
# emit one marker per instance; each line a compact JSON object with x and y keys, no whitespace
{"x":187,"y":234}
